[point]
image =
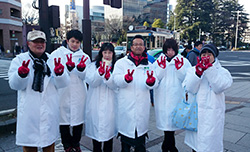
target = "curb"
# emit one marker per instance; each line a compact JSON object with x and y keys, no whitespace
{"x":8,"y":126}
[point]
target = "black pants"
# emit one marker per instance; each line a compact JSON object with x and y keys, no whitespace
{"x":169,"y":142}
{"x":69,"y":140}
{"x":138,"y":143}
{"x":107,"y":146}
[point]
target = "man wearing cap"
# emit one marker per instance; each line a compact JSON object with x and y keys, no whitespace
{"x":208,"y":80}
{"x":36,"y":77}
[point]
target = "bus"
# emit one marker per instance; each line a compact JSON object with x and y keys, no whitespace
{"x":154,"y":37}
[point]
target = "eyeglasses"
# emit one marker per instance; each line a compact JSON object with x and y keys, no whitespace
{"x":138,"y":44}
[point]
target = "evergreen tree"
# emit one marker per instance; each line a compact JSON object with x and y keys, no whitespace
{"x":158,"y":23}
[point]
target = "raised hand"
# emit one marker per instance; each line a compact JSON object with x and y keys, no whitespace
{"x":107,"y":74}
{"x":129,"y":76}
{"x":23,"y":70}
{"x":81,"y":66}
{"x":151,"y":79}
{"x":162,"y":64}
{"x":200,"y":67}
{"x":101,"y":68}
{"x":59,"y":68}
{"x":206,"y":62}
{"x":178,"y":63}
{"x":70,"y":65}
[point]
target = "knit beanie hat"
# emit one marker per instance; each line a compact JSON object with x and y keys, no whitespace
{"x":210,"y":47}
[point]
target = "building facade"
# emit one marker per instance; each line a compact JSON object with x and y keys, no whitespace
{"x":10,"y":24}
{"x":156,"y":9}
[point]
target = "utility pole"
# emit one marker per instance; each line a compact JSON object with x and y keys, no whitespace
{"x":86,"y":29}
{"x":44,"y":22}
{"x":236,"y":33}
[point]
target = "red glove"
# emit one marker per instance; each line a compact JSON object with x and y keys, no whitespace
{"x":200,"y":67}
{"x":59,"y":68}
{"x":23,"y":70}
{"x":81,"y":66}
{"x":206,"y":62}
{"x":178,"y":63}
{"x":107,"y":74}
{"x":162,"y":64}
{"x":101,"y":68}
{"x":129,"y":76}
{"x":70,"y":65}
{"x":151,"y":79}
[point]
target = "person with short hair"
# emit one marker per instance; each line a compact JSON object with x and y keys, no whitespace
{"x":134,"y":76}
{"x":72,"y":98}
{"x":193,"y":54}
{"x":208,"y":80}
{"x":170,"y":70}
{"x":37,"y":77}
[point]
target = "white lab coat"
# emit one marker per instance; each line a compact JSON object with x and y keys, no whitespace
{"x":100,"y":114}
{"x":169,"y":92}
{"x":211,"y":106}
{"x":133,"y":98}
{"x":72,"y":98}
{"x":37,"y":113}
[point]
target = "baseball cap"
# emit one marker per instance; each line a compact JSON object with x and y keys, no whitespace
{"x":35,"y":34}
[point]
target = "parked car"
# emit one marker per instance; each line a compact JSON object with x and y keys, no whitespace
{"x":120,"y":50}
{"x":222,"y":48}
{"x":155,"y":53}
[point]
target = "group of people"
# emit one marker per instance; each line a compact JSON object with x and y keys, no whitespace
{"x":58,"y":92}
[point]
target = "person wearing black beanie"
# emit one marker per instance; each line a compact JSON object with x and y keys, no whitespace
{"x":207,"y":81}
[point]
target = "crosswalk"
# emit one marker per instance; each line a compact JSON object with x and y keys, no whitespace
{"x":4,"y":67}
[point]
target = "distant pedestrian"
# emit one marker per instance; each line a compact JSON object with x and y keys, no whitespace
{"x":170,"y":70}
{"x":36,"y":77}
{"x":208,"y":80}
{"x":187,"y":49}
{"x":1,"y":50}
{"x":72,"y":98}
{"x":193,"y":54}
{"x":101,"y":113}
{"x":134,"y":76}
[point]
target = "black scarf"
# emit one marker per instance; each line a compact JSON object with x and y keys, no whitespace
{"x":41,"y":69}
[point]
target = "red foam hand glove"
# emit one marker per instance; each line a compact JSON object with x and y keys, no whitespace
{"x":81,"y":66}
{"x":151,"y":79}
{"x":178,"y":63}
{"x":70,"y":65}
{"x":101,"y":68}
{"x":59,"y":68}
{"x":107,"y":74}
{"x":23,"y":70}
{"x":200,"y":67}
{"x":162,"y":63}
{"x":129,"y":76}
{"x":206,"y":62}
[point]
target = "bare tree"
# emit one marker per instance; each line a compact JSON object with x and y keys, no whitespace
{"x":113,"y":28}
{"x":29,"y":14}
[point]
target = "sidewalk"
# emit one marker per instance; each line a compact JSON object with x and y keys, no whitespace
{"x":236,"y":132}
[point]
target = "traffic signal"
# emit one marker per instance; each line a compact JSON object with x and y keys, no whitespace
{"x":113,"y":3}
{"x":107,"y":2}
{"x":54,"y":16}
{"x":116,"y":3}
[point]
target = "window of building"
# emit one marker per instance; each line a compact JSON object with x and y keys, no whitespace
{"x":15,"y":13}
{"x":1,"y":11}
